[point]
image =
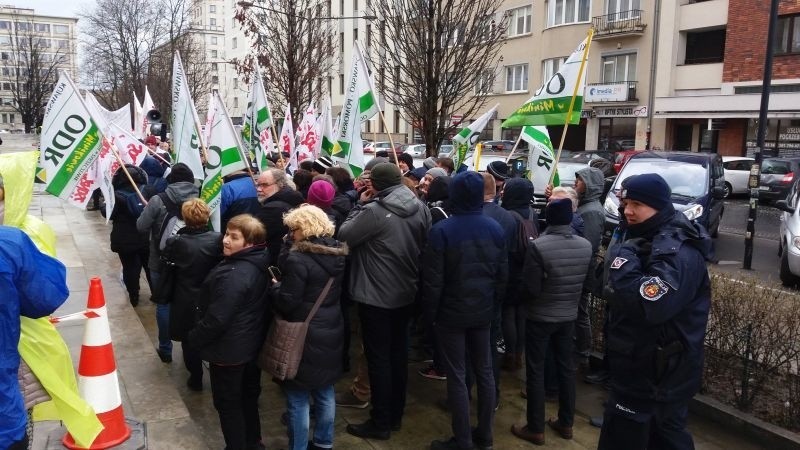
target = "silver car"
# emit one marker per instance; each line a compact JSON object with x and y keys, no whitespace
{"x":789,"y":244}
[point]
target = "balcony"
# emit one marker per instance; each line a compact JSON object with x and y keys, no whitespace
{"x":619,"y":24}
{"x":619,"y":91}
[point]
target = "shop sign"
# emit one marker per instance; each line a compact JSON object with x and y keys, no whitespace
{"x":625,"y":111}
{"x":790,"y":134}
{"x":617,"y":92}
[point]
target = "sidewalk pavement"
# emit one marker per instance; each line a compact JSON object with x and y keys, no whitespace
{"x":177,"y":418}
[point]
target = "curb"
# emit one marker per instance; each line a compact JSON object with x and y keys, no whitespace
{"x":771,"y":436}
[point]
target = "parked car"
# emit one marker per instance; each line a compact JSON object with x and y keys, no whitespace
{"x":777,"y":175}
{"x":368,"y":147}
{"x":789,"y":243}
{"x":446,"y":151}
{"x":497,"y":146}
{"x":620,"y":158}
{"x":571,"y":161}
{"x":415,"y":150}
{"x":697,"y":181}
{"x":737,"y":174}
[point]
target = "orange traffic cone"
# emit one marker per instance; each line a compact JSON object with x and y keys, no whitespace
{"x":97,"y":375}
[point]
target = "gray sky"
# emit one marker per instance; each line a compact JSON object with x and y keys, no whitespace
{"x":69,"y":8}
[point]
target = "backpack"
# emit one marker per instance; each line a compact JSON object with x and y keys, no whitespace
{"x":131,"y":201}
{"x":526,"y":233}
{"x":172,"y":222}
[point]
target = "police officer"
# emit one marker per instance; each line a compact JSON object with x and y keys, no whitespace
{"x":659,"y":296}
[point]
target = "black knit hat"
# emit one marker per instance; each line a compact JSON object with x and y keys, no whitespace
{"x":180,"y":172}
{"x":648,"y":188}
{"x":406,"y":158}
{"x":498,"y":169}
{"x":385,"y":175}
{"x":559,"y":212}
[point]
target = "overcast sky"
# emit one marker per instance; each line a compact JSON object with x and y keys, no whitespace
{"x":69,"y":8}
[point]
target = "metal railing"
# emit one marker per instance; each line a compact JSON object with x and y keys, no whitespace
{"x":622,"y":22}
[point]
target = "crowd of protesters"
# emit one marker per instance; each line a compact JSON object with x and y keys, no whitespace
{"x":457,"y":259}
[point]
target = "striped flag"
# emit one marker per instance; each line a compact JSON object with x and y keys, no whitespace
{"x":257,"y":130}
{"x":541,"y":158}
{"x":469,"y":135}
{"x":187,"y":140}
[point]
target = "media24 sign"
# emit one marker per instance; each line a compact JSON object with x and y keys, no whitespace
{"x":606,"y":93}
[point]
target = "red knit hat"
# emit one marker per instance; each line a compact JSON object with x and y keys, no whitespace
{"x":321,"y":194}
{"x":151,"y":140}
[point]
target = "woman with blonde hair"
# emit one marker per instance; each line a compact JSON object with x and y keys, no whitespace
{"x":313,"y":259}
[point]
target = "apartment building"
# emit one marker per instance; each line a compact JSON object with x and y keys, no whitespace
{"x":56,"y":39}
{"x":711,"y":62}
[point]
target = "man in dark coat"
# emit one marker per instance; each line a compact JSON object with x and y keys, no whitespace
{"x":465,"y":275}
{"x":659,"y":297}
{"x":386,"y":232}
{"x":555,"y":267}
{"x":275,"y":198}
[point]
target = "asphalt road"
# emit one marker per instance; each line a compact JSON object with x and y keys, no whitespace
{"x":734,"y":219}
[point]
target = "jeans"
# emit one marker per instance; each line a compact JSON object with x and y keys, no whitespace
{"x":235,"y":390}
{"x":538,"y":336}
{"x":385,"y":334}
{"x":455,"y":344}
{"x":324,"y":415}
{"x":162,"y":321}
{"x":132,"y":265}
{"x":583,"y":326}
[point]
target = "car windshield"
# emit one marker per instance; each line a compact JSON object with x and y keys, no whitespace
{"x":772,"y":167}
{"x":685,"y":179}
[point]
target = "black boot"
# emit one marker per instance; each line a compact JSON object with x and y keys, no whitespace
{"x":134,"y":297}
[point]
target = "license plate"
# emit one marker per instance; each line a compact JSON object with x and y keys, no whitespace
{"x":763,"y":188}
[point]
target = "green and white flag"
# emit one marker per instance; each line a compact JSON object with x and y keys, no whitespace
{"x":550,"y":104}
{"x":469,"y":135}
{"x":325,"y":121}
{"x":541,"y":158}
{"x":360,"y":104}
{"x":70,"y":145}
{"x":224,"y":157}
{"x":187,"y":139}
{"x":257,"y":130}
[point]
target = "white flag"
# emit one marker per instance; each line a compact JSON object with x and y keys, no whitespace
{"x":286,"y":139}
{"x":187,"y":140}
{"x":138,"y":118}
{"x":147,"y":106}
{"x":360,"y":104}
{"x":541,"y":157}
{"x":257,"y":130}
{"x":131,"y":150}
{"x":469,"y":135}
{"x":307,"y":136}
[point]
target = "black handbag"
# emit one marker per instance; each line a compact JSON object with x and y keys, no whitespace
{"x":165,"y":286}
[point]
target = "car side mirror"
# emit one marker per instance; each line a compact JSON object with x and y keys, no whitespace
{"x":784,"y":206}
{"x":718,"y":193}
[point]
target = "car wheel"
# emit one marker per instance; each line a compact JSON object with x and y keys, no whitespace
{"x":728,"y":189}
{"x":787,"y":277}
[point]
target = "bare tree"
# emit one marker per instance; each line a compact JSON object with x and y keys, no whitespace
{"x":440,"y":55}
{"x":31,"y":67}
{"x":293,"y":42}
{"x":129,"y":45}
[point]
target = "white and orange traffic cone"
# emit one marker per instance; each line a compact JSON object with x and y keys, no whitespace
{"x":97,"y":375}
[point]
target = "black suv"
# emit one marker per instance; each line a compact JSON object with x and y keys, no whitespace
{"x":697,"y":181}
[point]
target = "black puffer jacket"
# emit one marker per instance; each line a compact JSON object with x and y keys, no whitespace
{"x":306,"y":269}
{"x":233,"y":304}
{"x":194,"y":252}
{"x":125,"y":238}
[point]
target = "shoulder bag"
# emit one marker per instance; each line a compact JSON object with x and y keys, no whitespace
{"x":283,"y":348}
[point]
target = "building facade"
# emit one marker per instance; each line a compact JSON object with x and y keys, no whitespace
{"x":54,"y":39}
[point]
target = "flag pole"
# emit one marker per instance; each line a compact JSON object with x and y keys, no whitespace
{"x":115,"y":152}
{"x":516,"y":144}
{"x":391,"y":140}
{"x":571,"y":105}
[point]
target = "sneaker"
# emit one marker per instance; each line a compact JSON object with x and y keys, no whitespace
{"x":134,"y":298}
{"x":165,"y":357}
{"x":348,"y":400}
{"x":596,"y":421}
{"x":432,"y":373}
{"x":368,"y":430}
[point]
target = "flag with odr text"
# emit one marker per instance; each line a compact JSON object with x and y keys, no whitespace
{"x":469,"y":135}
{"x":541,"y":157}
{"x":360,"y":104}
{"x":70,"y":144}
{"x":185,"y":126}
{"x":257,"y":129}
{"x":550,"y":103}
{"x":224,"y":157}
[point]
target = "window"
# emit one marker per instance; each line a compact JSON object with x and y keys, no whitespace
{"x":235,"y":102}
{"x":355,"y":6}
{"x":5,"y":40}
{"x":519,"y":21}
{"x":213,"y":40}
{"x":5,"y":56}
{"x":485,"y":82}
{"x":6,"y":86}
{"x":623,"y":9}
{"x":214,"y":66}
{"x":517,"y":78}
{"x":213,"y":53}
{"x":560,"y":12}
{"x":452,"y":36}
{"x":23,"y":26}
{"x":6,"y":71}
{"x":369,"y":35}
{"x":788,"y":35}
{"x":550,"y":67}
{"x":42,"y":27}
{"x":705,"y":47}
{"x":63,"y":44}
{"x":341,"y":84}
{"x":341,"y":7}
{"x":212,"y":21}
{"x":215,"y":79}
{"x":10,"y":116}
{"x":341,"y":42}
{"x":4,"y":118}
{"x":212,"y":9}
{"x":43,"y":43}
{"x":619,"y":68}
{"x":233,"y":42}
{"x":60,"y":29}
{"x":5,"y":25}
{"x":355,"y":34}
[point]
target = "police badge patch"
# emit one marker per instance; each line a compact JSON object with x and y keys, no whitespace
{"x":618,"y":262}
{"x":653,"y":289}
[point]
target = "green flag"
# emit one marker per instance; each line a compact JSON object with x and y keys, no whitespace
{"x":469,"y":135}
{"x":541,"y":158}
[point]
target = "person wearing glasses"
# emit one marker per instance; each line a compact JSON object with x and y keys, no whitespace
{"x":275,"y":199}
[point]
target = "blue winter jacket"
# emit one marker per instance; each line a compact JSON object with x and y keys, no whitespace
{"x":33,"y":285}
